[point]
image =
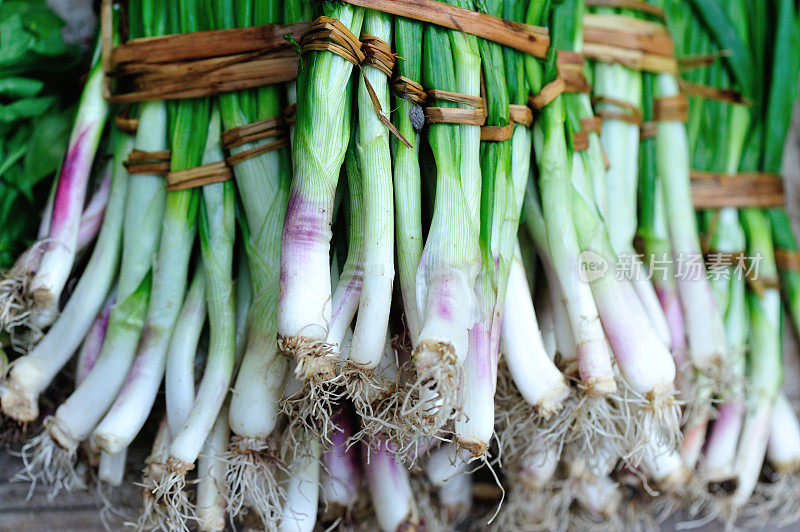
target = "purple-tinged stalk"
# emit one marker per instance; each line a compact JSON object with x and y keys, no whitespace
{"x":111,"y":467}
{"x":535,"y":499}
{"x":341,"y":474}
{"x":299,"y":511}
{"x":390,"y":488}
{"x":170,"y":268}
{"x":450,"y":259}
{"x":92,"y":217}
{"x":620,"y":141}
{"x":211,"y":496}
{"x":320,"y":140}
{"x":51,"y":456}
{"x":592,"y":420}
{"x":217,"y":233}
{"x":56,"y":262}
{"x":179,"y":387}
{"x":30,"y":375}
{"x":450,"y":479}
{"x":764,"y":368}
{"x":695,"y":428}
{"x":702,"y":319}
{"x":593,"y":353}
{"x":717,"y":464}
{"x":93,"y":343}
{"x":263,"y":185}
{"x":375,"y":161}
{"x":777,"y":499}
{"x":535,"y":375}
{"x":645,"y":363}
{"x":408,"y":119}
{"x":312,"y":405}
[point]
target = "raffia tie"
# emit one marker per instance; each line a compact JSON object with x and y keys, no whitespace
{"x":274,"y":127}
{"x":329,"y":34}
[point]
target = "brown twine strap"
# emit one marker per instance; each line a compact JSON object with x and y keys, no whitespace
{"x":570,"y":68}
{"x":196,"y":64}
{"x":255,"y":151}
{"x":635,"y":43}
{"x":497,"y":133}
{"x":532,"y":40}
{"x":671,"y":108}
{"x":713,"y":93}
{"x":148,"y":162}
{"x":517,"y":114}
{"x":455,"y":115}
{"x":288,"y":114}
{"x":690,"y":62}
{"x":580,"y":139}
{"x":631,"y":114}
{"x":548,"y":93}
{"x":633,"y":5}
{"x":648,"y":130}
{"x":125,"y":123}
{"x":198,"y":176}
{"x":264,"y":129}
{"x":377,"y":53}
{"x":787,"y":259}
{"x":408,"y":89}
{"x":760,"y":284}
{"x":746,"y":189}
{"x":329,"y":34}
{"x":520,"y":114}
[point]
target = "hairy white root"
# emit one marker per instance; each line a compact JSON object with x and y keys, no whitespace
{"x":166,"y":502}
{"x":251,"y":476}
{"x":517,"y":423}
{"x":435,"y":397}
{"x":314,"y":358}
{"x":14,"y":300}
{"x":643,"y":416}
{"x":50,"y":458}
{"x":776,"y":502}
{"x":535,"y":508}
{"x":311,"y":409}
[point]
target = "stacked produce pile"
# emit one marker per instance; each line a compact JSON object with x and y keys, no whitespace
{"x":356,"y":263}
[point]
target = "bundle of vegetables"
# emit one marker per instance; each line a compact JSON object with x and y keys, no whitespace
{"x":38,"y":74}
{"x":426,"y":136}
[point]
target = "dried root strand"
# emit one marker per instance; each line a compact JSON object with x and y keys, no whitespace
{"x":252,"y":465}
{"x":435,"y":397}
{"x":311,"y":409}
{"x":166,"y":502}
{"x":775,"y":502}
{"x":314,"y":358}
{"x":45,"y":459}
{"x":14,"y":298}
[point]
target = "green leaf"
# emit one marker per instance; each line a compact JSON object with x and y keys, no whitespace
{"x":724,"y":31}
{"x":20,"y":87}
{"x":26,"y":108}
{"x":47,"y":145}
